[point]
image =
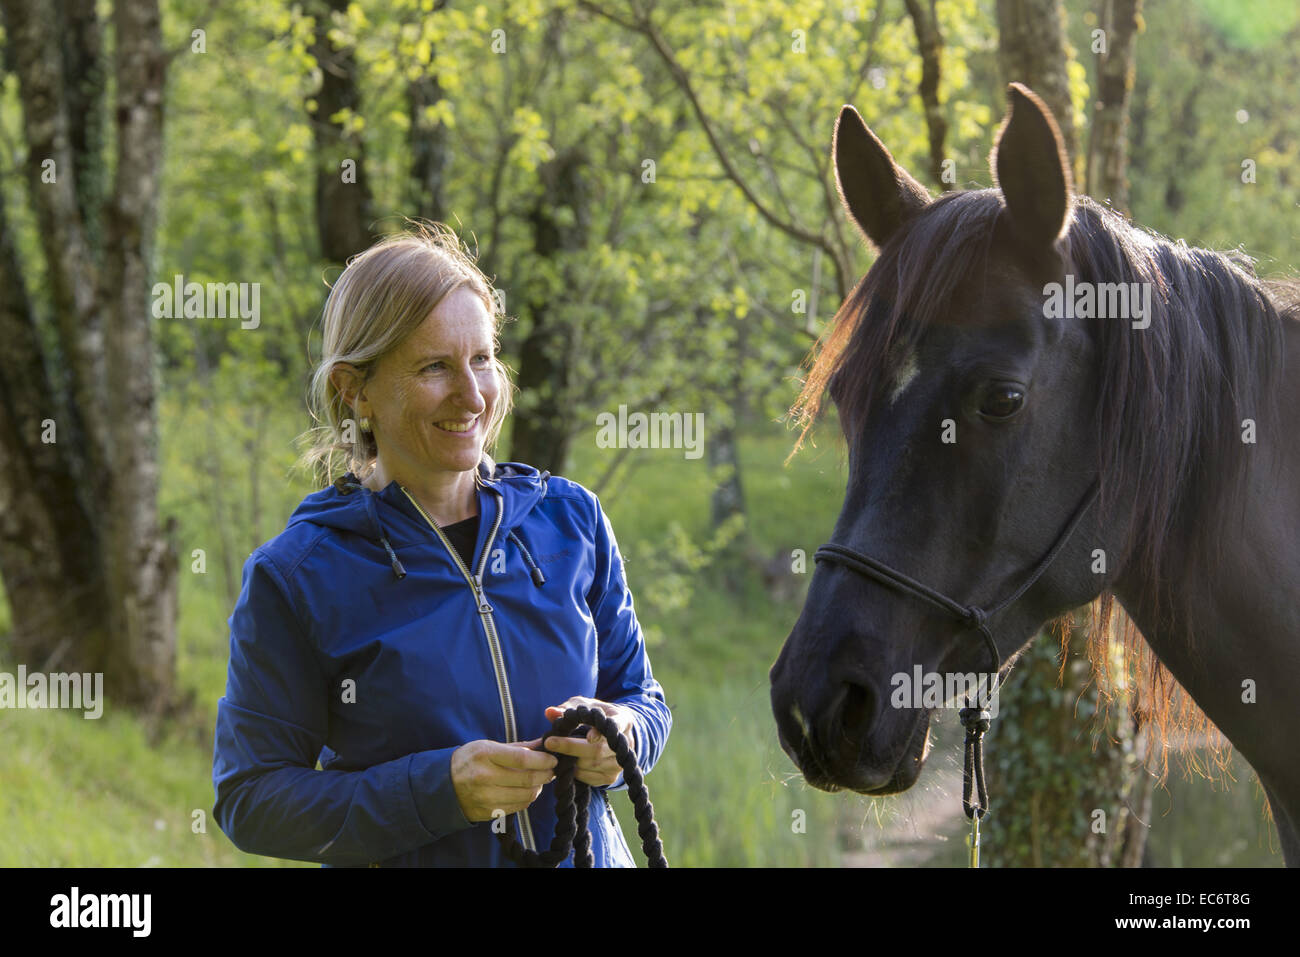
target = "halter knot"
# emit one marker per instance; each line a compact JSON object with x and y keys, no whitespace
{"x":975,"y":719}
{"x":976,"y":617}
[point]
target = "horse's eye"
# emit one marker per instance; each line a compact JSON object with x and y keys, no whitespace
{"x":1002,"y":402}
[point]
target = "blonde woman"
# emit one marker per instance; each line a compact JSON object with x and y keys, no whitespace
{"x":424,"y":617}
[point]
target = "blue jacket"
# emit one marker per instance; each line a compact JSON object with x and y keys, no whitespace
{"x":359,"y":642}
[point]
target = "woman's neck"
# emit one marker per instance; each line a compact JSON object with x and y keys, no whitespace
{"x":447,"y":497}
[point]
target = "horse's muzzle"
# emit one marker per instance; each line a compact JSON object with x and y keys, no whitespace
{"x":842,"y":739}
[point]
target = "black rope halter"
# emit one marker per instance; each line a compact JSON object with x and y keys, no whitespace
{"x":975,"y":720}
{"x":572,"y":797}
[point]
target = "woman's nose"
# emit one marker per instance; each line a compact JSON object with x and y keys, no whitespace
{"x":470,"y":391}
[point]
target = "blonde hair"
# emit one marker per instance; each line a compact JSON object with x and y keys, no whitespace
{"x":383,"y":295}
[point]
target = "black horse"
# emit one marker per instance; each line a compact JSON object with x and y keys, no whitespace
{"x":1025,"y":437}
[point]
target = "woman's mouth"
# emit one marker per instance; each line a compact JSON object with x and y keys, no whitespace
{"x":456,"y":427}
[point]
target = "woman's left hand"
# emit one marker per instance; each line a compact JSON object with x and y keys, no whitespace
{"x":597,"y":764}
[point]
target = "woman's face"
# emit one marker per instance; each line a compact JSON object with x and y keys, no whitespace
{"x":429,"y":401}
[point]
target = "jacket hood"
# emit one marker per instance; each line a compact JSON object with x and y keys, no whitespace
{"x":349,"y":506}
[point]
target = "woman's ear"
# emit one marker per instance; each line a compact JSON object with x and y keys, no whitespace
{"x":350,"y":383}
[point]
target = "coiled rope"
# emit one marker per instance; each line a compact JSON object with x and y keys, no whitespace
{"x":572,"y":797}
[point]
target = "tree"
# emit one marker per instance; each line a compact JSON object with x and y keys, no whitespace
{"x":1032,"y":50}
{"x":89,"y":568}
{"x":1106,"y":177}
{"x":343,"y":200}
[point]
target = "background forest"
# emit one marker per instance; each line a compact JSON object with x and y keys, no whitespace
{"x":649,"y":184}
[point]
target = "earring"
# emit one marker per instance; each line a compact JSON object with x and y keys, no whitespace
{"x":363,"y":424}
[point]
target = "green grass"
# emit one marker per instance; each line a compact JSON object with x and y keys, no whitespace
{"x":93,"y":793}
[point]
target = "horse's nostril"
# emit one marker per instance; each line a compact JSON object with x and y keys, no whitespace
{"x":857,"y":711}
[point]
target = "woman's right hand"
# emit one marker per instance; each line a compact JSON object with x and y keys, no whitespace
{"x":490,"y":776}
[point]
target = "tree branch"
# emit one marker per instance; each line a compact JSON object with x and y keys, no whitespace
{"x":646,"y":28}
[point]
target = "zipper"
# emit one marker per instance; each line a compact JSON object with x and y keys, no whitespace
{"x":493,"y":639}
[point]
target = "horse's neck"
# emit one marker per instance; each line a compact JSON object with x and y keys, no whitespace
{"x":1243,"y":662}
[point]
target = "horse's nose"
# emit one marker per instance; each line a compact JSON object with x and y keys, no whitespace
{"x":856,"y":712}
{"x":792,"y":727}
{"x":834,"y":728}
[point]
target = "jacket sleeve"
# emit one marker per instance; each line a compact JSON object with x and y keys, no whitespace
{"x":271,"y":726}
{"x":624,"y":672}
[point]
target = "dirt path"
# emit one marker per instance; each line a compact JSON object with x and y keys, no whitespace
{"x":914,"y":826}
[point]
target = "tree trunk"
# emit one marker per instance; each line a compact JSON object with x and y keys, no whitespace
{"x":1107,"y":177}
{"x":343,"y":204}
{"x":930,"y":43}
{"x":49,"y":538}
{"x":1031,"y":50}
{"x":1054,"y":801}
{"x":90,"y":570}
{"x":541,"y":430}
{"x":140,"y":557}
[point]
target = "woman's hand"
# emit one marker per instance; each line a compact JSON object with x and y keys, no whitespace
{"x":490,"y":776}
{"x":597,"y":764}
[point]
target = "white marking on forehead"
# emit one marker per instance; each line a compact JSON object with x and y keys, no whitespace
{"x":907,"y":371}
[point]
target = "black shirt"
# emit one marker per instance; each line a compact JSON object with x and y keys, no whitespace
{"x":463,"y":536}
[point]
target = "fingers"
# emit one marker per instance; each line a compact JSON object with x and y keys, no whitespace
{"x":578,"y":701}
{"x":490,"y":776}
{"x":596,"y":765}
{"x":521,"y":756}
{"x":586,"y":751}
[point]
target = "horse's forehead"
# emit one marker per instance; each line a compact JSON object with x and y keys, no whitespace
{"x":999,"y":292}
{"x":1006,"y":321}
{"x":906,"y":367}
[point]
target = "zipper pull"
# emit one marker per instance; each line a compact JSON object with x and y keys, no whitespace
{"x":483,"y":607}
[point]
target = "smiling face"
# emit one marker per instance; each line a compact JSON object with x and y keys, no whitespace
{"x":431,"y":399}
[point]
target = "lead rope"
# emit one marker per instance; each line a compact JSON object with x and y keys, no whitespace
{"x":572,"y":797}
{"x":976,"y":722}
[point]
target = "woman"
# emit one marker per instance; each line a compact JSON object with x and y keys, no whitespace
{"x":421,"y":621}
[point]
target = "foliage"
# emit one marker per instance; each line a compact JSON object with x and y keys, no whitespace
{"x":683,"y":294}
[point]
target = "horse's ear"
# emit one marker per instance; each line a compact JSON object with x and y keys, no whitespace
{"x":1030,"y":166}
{"x":878,"y":193}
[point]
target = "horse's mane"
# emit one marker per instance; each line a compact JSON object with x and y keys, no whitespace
{"x":1169,"y":413}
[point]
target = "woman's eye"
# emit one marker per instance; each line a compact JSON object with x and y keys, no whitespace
{"x":482,"y":359}
{"x":1002,"y":402}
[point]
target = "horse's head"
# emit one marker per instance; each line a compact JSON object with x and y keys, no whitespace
{"x":968,"y":410}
